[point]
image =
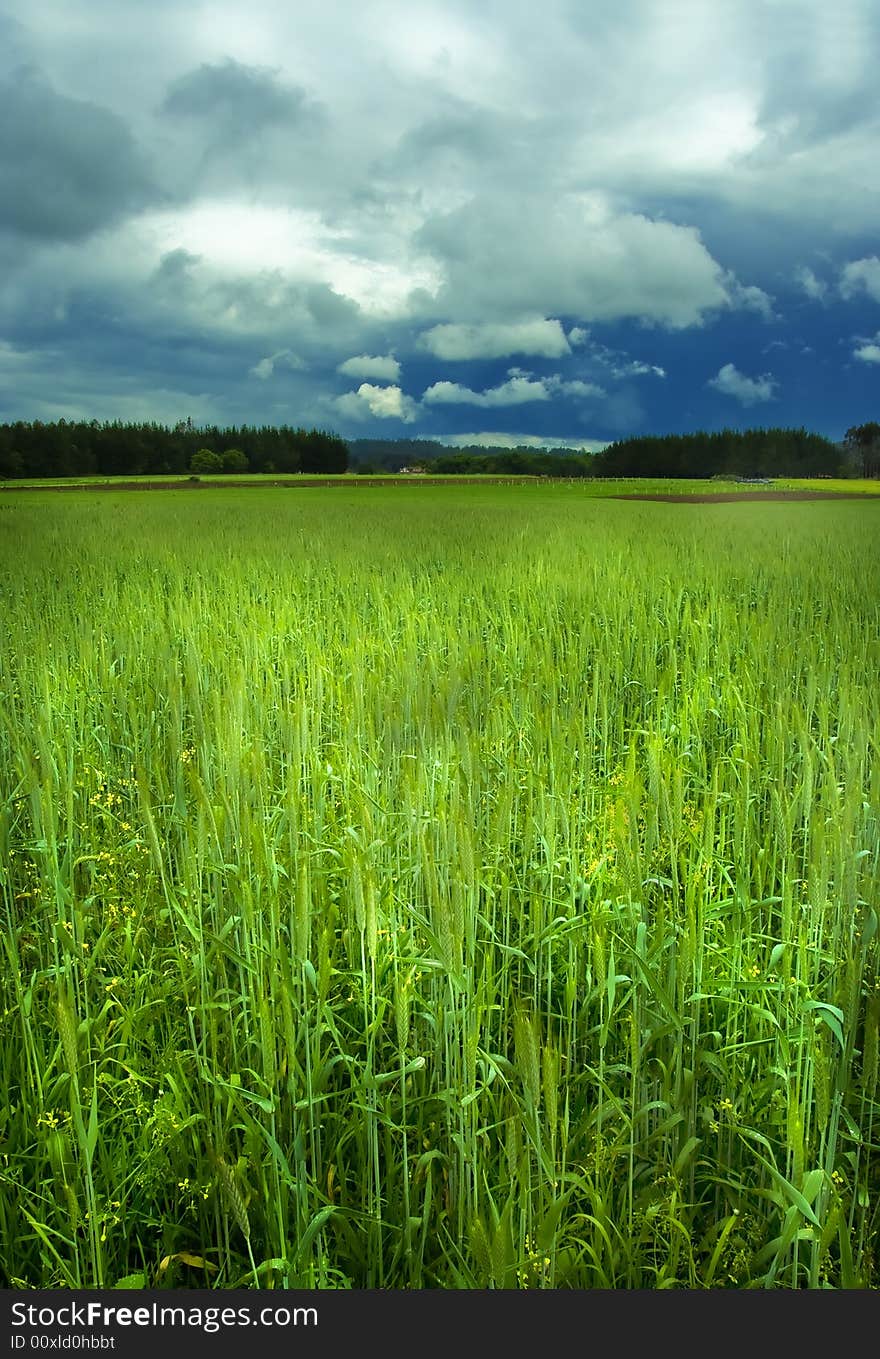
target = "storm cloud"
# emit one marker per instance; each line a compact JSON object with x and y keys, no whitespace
{"x":68,"y":166}
{"x":359,"y":216}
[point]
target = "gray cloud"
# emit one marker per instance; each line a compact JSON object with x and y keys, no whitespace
{"x":238,"y":100}
{"x":749,"y":298}
{"x":232,"y":129}
{"x":283,"y":358}
{"x":455,"y":140}
{"x":595,"y":262}
{"x":13,"y":41}
{"x":494,"y":340}
{"x":813,"y":286}
{"x":175,"y":268}
{"x":345,"y":184}
{"x":371,"y":365}
{"x":819,"y":76}
{"x":198,"y":294}
{"x":861,"y":276}
{"x":68,"y":166}
{"x":270,"y":305}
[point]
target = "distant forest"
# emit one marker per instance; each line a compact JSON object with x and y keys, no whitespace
{"x":70,"y":449}
{"x":392,"y":455}
{"x":743,"y":453}
{"x":378,"y":455}
{"x":76,"y":449}
{"x":749,"y":453}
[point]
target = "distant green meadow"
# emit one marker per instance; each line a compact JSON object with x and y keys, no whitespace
{"x":471,"y":888}
{"x":599,"y":486}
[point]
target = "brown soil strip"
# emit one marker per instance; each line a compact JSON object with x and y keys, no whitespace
{"x":702,"y":498}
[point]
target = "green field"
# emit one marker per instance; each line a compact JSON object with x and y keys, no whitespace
{"x":599,"y":486}
{"x":470,"y":888}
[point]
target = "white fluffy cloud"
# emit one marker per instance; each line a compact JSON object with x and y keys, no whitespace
{"x":383,"y":403}
{"x":371,"y":366}
{"x":861,"y":276}
{"x":747,"y":297}
{"x":514,"y":392}
{"x":496,"y":340}
{"x":868,"y":351}
{"x":814,"y":287}
{"x":636,"y":368}
{"x":748,"y":391}
{"x":519,"y":389}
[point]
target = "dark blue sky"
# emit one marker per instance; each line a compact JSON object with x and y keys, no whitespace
{"x":555,"y":223}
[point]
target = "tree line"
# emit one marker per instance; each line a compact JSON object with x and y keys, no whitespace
{"x":512,"y":463}
{"x":393,"y":455}
{"x":728,"y":452}
{"x":749,"y":453}
{"x":67,"y":448}
{"x":90,"y":448}
{"x":863,"y":446}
